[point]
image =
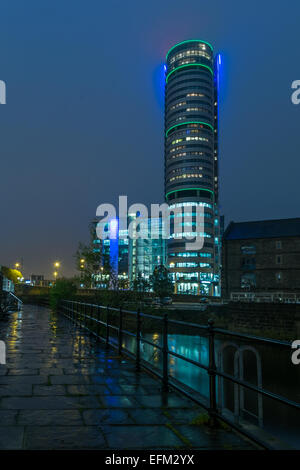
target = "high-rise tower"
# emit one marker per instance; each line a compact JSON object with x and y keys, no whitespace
{"x":191,"y":160}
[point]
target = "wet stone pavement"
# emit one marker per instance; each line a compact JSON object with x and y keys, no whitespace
{"x":60,"y":389}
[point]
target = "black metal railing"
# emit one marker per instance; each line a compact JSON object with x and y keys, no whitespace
{"x":107,"y":324}
{"x":9,"y":303}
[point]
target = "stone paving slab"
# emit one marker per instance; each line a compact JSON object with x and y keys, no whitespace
{"x":62,"y":390}
{"x":64,"y":437}
{"x":55,"y":418}
{"x":11,"y":437}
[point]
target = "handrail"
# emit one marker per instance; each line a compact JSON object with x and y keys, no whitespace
{"x":16,"y":298}
{"x":77,"y":312}
{"x":275,"y":342}
{"x":221,"y":331}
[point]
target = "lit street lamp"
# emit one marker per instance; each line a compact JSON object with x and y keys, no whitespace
{"x":56,"y":265}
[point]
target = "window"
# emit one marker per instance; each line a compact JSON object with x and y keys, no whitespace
{"x":248,"y":263}
{"x":278,"y":245}
{"x":278,"y":259}
{"x":248,"y":249}
{"x":278,"y":277}
{"x":248,"y":281}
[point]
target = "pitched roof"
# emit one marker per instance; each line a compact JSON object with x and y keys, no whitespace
{"x":263,"y":229}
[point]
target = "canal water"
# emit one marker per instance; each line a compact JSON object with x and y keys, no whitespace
{"x":278,"y":375}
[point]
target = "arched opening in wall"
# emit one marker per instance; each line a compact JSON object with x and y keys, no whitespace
{"x":227,"y":389}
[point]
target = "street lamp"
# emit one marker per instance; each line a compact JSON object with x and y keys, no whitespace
{"x":17,"y":265}
{"x":56,"y":265}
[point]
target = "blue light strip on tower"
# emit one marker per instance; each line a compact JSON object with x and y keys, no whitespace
{"x":114,"y":245}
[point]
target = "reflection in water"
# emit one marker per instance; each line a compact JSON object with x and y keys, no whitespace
{"x":15,"y":332}
{"x":278,"y":376}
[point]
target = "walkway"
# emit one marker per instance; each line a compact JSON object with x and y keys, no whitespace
{"x":61,"y":390}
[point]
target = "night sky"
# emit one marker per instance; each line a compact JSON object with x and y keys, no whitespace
{"x":83,"y":121}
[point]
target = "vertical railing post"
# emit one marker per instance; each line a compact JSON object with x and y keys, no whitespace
{"x":91,"y":319}
{"x":212,"y":374}
{"x":120,"y":339}
{"x":165,"y":352}
{"x":107,"y":328}
{"x":81,"y":314}
{"x":77,"y":312}
{"x":98,"y":318}
{"x":138,"y":341}
{"x":84,"y":315}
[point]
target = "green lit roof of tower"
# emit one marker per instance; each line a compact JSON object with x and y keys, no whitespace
{"x":189,"y":40}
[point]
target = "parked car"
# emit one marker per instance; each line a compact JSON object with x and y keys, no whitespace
{"x":204,"y":300}
{"x":167,"y":301}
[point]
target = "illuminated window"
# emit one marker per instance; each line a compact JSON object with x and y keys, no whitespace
{"x":178,"y":105}
{"x":196,"y":94}
{"x":248,"y":249}
{"x":248,"y":281}
{"x":189,"y":204}
{"x":188,"y":176}
{"x":191,"y":254}
{"x":203,"y":139}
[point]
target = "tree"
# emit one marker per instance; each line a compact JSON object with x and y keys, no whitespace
{"x":88,"y":260}
{"x":140,"y":284}
{"x":63,"y":289}
{"x":12,"y":274}
{"x":110,"y":276}
{"x":94,"y":264}
{"x":161,"y":281}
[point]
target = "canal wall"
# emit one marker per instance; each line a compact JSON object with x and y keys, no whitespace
{"x":278,"y":321}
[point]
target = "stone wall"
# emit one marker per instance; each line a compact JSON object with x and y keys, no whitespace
{"x":281,"y":321}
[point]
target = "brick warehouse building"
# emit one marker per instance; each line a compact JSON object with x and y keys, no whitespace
{"x":261,"y":260}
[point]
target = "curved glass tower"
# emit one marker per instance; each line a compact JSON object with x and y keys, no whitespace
{"x":191,"y":160}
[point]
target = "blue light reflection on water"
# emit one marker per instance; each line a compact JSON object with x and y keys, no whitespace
{"x":192,"y":347}
{"x":279,"y":420}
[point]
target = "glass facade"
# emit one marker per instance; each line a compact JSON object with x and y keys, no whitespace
{"x":129,"y":257}
{"x":147,"y":253}
{"x":114,"y":253}
{"x":191,"y":161}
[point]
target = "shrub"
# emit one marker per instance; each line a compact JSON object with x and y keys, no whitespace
{"x":62,"y":289}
